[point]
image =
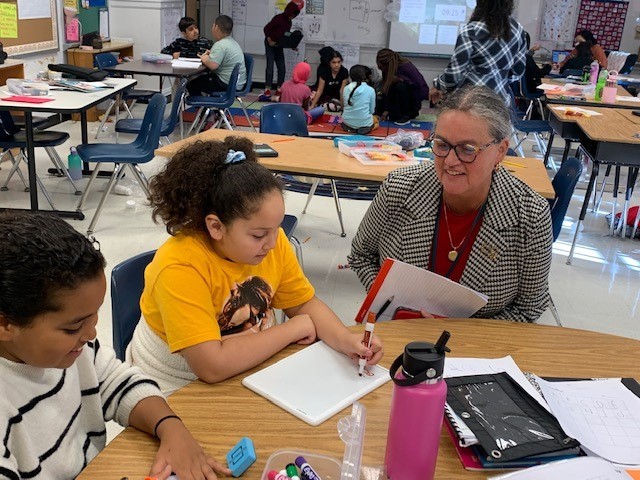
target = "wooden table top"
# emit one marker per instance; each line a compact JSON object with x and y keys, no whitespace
{"x":219,"y":415}
{"x":589,"y":101}
{"x":615,"y":125}
{"x":319,"y":158}
{"x":106,"y":47}
{"x":140,"y":67}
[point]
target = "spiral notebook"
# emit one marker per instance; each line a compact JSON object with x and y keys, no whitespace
{"x":315,"y":383}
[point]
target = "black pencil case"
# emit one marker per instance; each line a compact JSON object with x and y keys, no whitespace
{"x":508,"y":422}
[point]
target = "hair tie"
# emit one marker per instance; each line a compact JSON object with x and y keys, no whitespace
{"x":235,"y":157}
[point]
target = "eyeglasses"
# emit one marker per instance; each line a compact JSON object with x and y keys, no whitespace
{"x":466,"y":152}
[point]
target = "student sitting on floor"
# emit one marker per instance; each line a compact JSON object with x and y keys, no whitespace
{"x":209,"y":294}
{"x":359,"y":103}
{"x":220,"y":60}
{"x":60,"y":384}
{"x":191,"y":44}
{"x":297,"y":91}
{"x":332,"y":78}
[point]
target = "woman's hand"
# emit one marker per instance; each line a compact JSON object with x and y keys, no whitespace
{"x":180,"y":453}
{"x":384,"y":116}
{"x":354,"y":348}
{"x":305,"y":330}
{"x":270,"y":42}
{"x":435,"y":95}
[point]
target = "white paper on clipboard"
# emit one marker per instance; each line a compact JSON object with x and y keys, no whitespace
{"x":315,"y":383}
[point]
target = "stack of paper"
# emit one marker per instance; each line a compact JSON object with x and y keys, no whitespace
{"x":186,"y":63}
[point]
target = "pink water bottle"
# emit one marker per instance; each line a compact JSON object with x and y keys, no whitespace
{"x":417,"y":409}
{"x":595,"y":68}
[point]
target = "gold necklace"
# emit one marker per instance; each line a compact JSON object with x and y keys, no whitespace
{"x":453,"y":253}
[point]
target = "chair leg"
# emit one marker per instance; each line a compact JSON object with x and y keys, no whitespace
{"x":105,"y":118}
{"x":336,"y":198}
{"x":57,"y":161}
{"x":246,"y":113}
{"x":225,"y":120}
{"x":45,"y":192}
{"x":554,"y":311}
{"x":140,"y":176}
{"x":196,"y":120}
{"x":297,"y":246}
{"x":87,"y":189}
{"x":15,"y":167}
{"x":312,"y":192}
{"x":107,"y":191}
{"x":543,"y":150}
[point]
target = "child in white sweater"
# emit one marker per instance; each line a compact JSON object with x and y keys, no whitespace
{"x":59,"y":384}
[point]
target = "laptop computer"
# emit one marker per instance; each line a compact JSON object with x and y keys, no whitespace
{"x":558,"y":56}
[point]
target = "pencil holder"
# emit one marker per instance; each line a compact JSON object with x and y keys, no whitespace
{"x":609,"y":95}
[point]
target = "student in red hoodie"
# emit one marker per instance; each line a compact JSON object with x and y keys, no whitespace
{"x":297,"y":91}
{"x":273,"y":32}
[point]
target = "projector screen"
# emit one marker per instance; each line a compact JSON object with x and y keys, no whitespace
{"x":429,"y":27}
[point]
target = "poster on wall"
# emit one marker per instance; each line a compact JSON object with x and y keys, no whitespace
{"x":558,"y":22}
{"x":34,"y":9}
{"x":170,"y":19}
{"x":605,"y":19}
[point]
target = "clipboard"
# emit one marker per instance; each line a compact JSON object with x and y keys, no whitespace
{"x":315,"y":383}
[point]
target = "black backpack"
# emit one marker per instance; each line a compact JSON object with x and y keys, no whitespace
{"x":81,"y":73}
{"x":3,"y":54}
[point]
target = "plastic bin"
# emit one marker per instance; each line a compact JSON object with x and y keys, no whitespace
{"x":347,"y":146}
{"x":327,"y":467}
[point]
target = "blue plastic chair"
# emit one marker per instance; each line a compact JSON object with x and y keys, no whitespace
{"x":12,"y":136}
{"x":564,"y":183}
{"x":141,"y":150}
{"x":289,"y":119}
{"x":248,"y":63}
{"x":218,"y":102}
{"x":127,"y":283}
{"x":522,"y":125}
{"x":289,"y":224}
{"x":103,"y":60}
{"x":133,"y":125}
{"x":629,"y":64}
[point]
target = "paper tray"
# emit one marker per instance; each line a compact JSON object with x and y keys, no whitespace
{"x":374,"y":156}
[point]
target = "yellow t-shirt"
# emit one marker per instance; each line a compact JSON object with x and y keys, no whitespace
{"x":192,"y":295}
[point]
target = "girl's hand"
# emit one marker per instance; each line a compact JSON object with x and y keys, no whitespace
{"x":435,"y":95}
{"x":305,"y":330}
{"x":355,"y":349}
{"x":384,"y":115}
{"x":181,"y":453}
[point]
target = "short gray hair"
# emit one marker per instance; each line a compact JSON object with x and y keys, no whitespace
{"x":484,"y":103}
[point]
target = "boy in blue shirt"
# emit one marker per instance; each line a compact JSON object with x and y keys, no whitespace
{"x":191,"y":44}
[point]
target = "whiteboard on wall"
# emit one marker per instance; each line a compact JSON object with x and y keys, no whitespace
{"x":170,"y":19}
{"x":346,"y":21}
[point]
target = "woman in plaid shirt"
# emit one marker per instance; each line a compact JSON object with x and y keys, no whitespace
{"x":490,"y":51}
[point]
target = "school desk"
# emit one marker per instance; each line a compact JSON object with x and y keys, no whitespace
{"x":588,"y":103}
{"x":85,"y":58}
{"x":65,"y":102}
{"x":610,"y":139}
{"x":317,"y":157}
{"x":219,"y":415}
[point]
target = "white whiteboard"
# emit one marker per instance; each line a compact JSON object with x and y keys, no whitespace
{"x":347,"y":21}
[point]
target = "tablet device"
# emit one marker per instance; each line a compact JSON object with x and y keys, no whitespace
{"x":264,"y":150}
{"x":315,"y":383}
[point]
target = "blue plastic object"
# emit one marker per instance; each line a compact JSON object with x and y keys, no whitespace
{"x":351,"y":138}
{"x":241,"y":456}
{"x":283,"y":119}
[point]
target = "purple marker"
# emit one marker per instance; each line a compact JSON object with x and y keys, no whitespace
{"x":306,"y":471}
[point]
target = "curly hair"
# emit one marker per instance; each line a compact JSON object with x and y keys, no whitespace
{"x":495,"y":13}
{"x":388,"y":62}
{"x":40,"y":255}
{"x":197,"y":182}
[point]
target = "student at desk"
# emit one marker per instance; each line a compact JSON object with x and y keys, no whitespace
{"x":59,"y":384}
{"x":207,"y":305}
{"x":220,"y":60}
{"x":464,"y":216}
{"x":191,"y":44}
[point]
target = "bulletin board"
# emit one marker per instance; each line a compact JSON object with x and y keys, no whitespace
{"x":28,"y":26}
{"x":605,"y":19}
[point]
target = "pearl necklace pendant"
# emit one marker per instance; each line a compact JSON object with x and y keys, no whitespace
{"x":452,"y":255}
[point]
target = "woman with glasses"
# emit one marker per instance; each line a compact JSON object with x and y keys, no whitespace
{"x":463,"y":216}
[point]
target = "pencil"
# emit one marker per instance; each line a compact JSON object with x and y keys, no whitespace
{"x":512,"y":164}
{"x":283,"y":140}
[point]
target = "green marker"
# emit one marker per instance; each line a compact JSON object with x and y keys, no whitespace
{"x":292,"y":471}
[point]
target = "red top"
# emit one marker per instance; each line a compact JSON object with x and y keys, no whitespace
{"x":459,"y":226}
{"x":280,"y":24}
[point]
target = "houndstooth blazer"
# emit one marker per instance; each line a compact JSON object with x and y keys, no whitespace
{"x":509,"y":260}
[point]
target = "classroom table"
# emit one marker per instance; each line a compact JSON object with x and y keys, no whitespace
{"x":610,"y":139}
{"x":65,"y":102}
{"x":219,"y":415}
{"x":592,"y":102}
{"x":318,"y":157}
{"x":161,"y":70}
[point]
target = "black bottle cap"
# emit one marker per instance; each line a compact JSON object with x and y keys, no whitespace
{"x":424,"y":359}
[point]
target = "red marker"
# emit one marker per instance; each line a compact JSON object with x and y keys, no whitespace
{"x":366,"y":341}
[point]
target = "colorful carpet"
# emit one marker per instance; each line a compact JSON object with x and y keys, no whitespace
{"x":327,"y":125}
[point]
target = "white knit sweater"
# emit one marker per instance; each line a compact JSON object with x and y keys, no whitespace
{"x":52,"y":421}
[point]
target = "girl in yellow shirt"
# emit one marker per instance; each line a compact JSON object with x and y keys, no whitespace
{"x":210,"y":290}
